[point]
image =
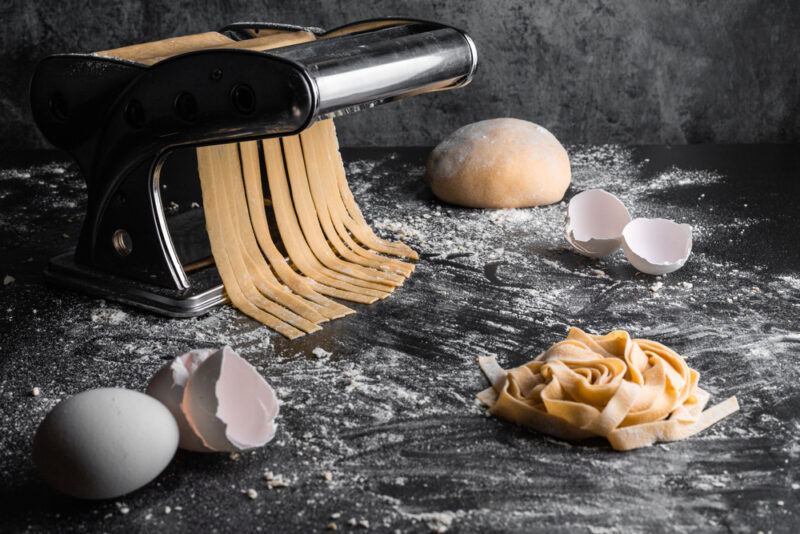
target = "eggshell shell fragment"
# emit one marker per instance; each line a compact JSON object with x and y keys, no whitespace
{"x":595,"y":219}
{"x":229,"y":404}
{"x":104,"y":443}
{"x":168,"y":386}
{"x":657,"y":246}
{"x":220,"y":401}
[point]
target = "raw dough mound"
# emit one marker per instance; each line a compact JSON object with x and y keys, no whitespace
{"x":499,"y":163}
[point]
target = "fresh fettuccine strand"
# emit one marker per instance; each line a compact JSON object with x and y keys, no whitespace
{"x":354,"y":221}
{"x":633,"y":392}
{"x":305,"y":187}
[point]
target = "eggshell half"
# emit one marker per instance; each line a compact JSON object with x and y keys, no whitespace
{"x":168,"y":385}
{"x":595,"y":219}
{"x":104,"y":443}
{"x":228,"y":403}
{"x":657,"y":246}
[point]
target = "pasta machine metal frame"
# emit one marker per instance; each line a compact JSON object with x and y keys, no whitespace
{"x":126,"y":124}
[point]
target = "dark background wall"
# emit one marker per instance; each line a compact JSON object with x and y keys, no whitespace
{"x":592,"y":71}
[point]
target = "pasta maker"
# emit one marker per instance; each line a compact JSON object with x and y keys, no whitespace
{"x":133,"y":127}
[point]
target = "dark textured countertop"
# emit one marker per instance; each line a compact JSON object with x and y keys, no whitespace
{"x":390,"y":412}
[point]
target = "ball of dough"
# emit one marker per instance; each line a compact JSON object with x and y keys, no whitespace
{"x":499,"y":163}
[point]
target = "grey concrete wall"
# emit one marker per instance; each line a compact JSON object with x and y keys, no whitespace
{"x":592,"y":71}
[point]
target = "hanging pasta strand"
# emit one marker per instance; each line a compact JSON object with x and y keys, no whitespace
{"x":211,"y":169}
{"x":246,"y":249}
{"x":331,"y":250}
{"x":309,"y":220}
{"x":331,"y":211}
{"x":355,"y":221}
{"x":292,"y":235}
{"x":251,"y":169}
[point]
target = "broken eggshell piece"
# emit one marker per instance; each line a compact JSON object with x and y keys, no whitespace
{"x":657,"y":246}
{"x":595,"y":219}
{"x":220,"y":401}
{"x":168,"y":385}
{"x":228,"y":403}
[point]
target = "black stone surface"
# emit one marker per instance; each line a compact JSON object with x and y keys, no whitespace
{"x":390,"y":412}
{"x":649,"y":71}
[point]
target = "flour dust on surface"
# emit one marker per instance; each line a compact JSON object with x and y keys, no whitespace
{"x":378,"y":423}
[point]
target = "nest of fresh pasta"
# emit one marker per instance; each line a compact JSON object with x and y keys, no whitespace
{"x":633,"y":392}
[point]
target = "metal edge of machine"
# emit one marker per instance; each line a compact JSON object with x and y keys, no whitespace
{"x":193,"y":301}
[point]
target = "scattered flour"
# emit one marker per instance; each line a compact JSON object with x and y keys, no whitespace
{"x":386,"y":410}
{"x":321,"y":353}
{"x":108,"y":315}
{"x":437,"y":522}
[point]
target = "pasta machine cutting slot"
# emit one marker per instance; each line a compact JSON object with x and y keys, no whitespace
{"x":132,"y":118}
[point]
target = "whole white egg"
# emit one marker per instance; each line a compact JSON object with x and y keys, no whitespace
{"x":104,"y":443}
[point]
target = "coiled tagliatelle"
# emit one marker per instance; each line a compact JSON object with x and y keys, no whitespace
{"x":633,"y":392}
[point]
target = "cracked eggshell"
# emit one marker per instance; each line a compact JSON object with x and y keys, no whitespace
{"x":595,"y":219}
{"x":228,"y":403}
{"x":657,"y":246}
{"x":168,"y":386}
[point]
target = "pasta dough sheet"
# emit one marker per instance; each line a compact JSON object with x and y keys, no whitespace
{"x":633,"y":392}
